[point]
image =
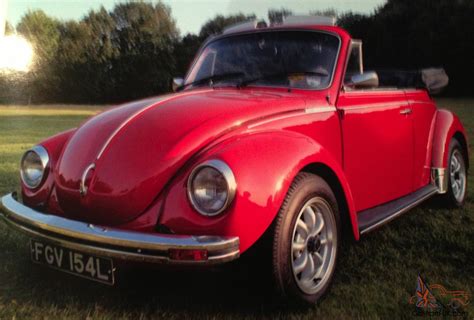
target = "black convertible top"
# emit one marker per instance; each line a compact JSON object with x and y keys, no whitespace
{"x":432,"y":79}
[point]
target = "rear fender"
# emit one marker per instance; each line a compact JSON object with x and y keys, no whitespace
{"x":447,"y":126}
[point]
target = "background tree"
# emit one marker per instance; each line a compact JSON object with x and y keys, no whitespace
{"x":75,"y":64}
{"x":276,"y":16}
{"x":408,"y":34}
{"x":185,"y":50}
{"x":144,"y":35}
{"x":11,"y":84}
{"x":42,"y":32}
{"x":135,"y":49}
{"x":8,"y":28}
{"x":325,"y":13}
{"x":218,"y":23}
{"x":187,"y":47}
{"x":85,"y":56}
{"x":101,"y":52}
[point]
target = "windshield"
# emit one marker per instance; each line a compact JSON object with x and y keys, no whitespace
{"x":295,"y":59}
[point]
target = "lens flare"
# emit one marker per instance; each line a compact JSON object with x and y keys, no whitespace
{"x":16,"y":54}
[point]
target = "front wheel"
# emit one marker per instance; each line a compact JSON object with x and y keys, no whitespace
{"x":306,"y":240}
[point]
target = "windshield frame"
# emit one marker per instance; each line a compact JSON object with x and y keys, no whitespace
{"x":222,"y":36}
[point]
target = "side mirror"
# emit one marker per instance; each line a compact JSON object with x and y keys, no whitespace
{"x":365,"y":80}
{"x":177,"y":83}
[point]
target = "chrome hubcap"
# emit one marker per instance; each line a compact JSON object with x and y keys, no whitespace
{"x":457,"y":171}
{"x":313,"y":246}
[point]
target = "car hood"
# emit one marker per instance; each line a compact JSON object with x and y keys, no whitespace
{"x":138,"y":147}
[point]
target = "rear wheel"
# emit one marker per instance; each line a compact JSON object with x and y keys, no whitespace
{"x":306,"y":240}
{"x":457,"y":176}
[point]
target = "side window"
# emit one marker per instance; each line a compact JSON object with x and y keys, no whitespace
{"x":354,"y":65}
{"x":208,"y":63}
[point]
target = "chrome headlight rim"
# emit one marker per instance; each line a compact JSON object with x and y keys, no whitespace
{"x":228,"y":175}
{"x":42,"y":153}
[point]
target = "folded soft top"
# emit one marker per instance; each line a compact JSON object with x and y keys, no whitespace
{"x":432,"y":79}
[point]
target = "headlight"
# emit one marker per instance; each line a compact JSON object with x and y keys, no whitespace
{"x":33,"y":166}
{"x":211,"y":187}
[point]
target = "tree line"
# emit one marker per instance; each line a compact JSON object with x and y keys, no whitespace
{"x":135,"y":49}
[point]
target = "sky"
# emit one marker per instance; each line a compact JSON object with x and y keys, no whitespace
{"x":190,"y":15}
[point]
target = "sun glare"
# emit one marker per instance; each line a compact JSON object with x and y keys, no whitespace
{"x":16,"y":54}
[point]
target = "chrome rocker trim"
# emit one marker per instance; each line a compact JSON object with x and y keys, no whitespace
{"x":373,"y":218}
{"x":115,"y":243}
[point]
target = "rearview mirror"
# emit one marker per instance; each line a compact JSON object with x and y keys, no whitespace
{"x":177,"y":83}
{"x":365,"y":80}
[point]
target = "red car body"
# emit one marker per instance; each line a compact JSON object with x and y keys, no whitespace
{"x":372,"y":146}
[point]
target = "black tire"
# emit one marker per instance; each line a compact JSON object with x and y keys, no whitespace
{"x":450,"y":198}
{"x":305,"y":188}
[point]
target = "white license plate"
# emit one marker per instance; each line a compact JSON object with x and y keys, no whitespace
{"x":71,"y":261}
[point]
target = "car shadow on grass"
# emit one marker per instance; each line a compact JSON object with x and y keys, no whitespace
{"x":237,"y":289}
{"x":244,"y":288}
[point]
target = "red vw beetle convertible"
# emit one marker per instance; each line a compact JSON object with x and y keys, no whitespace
{"x":275,"y":130}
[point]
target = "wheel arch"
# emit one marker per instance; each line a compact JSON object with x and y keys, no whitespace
{"x":459,"y":136}
{"x":347,"y":216}
{"x":265,"y":165}
{"x":447,"y":127}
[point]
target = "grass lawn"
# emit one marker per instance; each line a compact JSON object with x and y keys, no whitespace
{"x":375,"y":276}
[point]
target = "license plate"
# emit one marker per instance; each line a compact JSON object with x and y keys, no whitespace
{"x":73,"y":262}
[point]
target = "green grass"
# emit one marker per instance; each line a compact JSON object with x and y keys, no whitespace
{"x":375,"y":276}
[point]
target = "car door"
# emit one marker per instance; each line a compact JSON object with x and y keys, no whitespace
{"x":424,"y":118}
{"x":377,"y":139}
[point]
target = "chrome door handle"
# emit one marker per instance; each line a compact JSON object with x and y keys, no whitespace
{"x":406,"y":111}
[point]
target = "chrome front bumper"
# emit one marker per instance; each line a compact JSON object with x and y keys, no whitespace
{"x":118,"y":244}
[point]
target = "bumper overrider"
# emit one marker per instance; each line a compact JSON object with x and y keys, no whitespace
{"x":118,"y":244}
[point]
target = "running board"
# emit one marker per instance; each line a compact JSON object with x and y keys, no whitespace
{"x":373,"y":218}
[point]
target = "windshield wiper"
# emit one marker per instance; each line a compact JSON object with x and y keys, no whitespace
{"x":211,"y":79}
{"x":271,"y":76}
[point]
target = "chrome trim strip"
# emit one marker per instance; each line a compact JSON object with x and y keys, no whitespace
{"x":320,"y":109}
{"x":136,"y":114}
{"x":439,"y":178}
{"x":281,"y":116}
{"x":292,"y":114}
{"x":120,"y":127}
{"x":377,"y":106}
{"x":226,"y":171}
{"x":420,"y":102}
{"x":399,"y":212}
{"x":114,"y":243}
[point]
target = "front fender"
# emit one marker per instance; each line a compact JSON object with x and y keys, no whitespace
{"x":264,"y":165}
{"x":446,"y":127}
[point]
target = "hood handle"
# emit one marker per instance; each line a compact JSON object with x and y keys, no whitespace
{"x":82,"y":186}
